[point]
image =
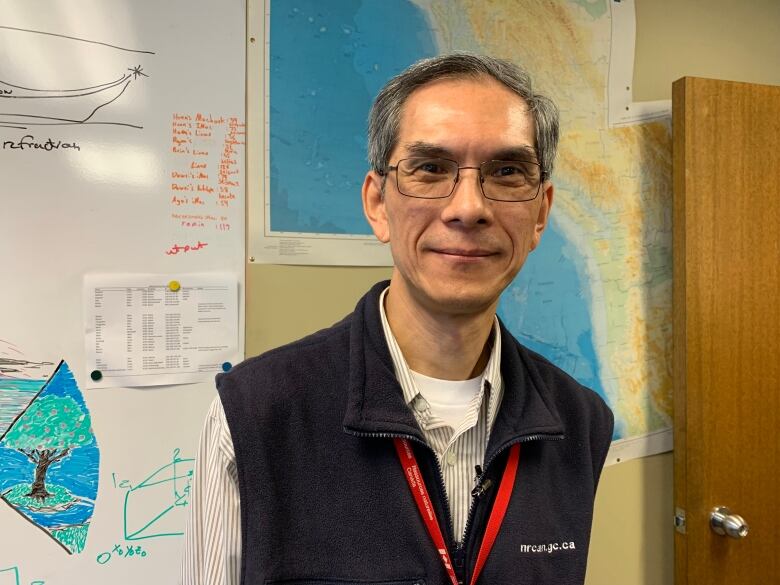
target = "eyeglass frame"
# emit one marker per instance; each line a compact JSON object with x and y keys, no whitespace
{"x":543,"y":176}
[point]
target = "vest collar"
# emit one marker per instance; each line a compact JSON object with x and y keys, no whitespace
{"x":375,"y":403}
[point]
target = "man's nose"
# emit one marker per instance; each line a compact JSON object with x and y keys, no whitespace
{"x":467,"y":204}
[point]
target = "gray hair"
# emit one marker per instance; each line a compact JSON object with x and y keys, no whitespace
{"x":384,"y":120}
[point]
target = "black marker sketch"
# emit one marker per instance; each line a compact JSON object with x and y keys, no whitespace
{"x":13,"y":363}
{"x":39,"y":32}
{"x":73,"y":95}
{"x":137,"y":70}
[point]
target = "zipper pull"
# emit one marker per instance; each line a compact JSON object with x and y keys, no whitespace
{"x":481,"y":488}
{"x":478,"y":471}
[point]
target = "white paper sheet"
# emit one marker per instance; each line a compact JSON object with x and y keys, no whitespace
{"x":140,"y":332}
{"x":623,"y":110}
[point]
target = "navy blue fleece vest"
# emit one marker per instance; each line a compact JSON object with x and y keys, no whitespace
{"x":324,"y":499}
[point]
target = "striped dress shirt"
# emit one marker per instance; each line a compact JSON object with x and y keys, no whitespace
{"x":459,"y":450}
{"x":212,"y":543}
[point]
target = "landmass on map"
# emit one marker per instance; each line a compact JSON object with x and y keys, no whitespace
{"x":595,"y":297}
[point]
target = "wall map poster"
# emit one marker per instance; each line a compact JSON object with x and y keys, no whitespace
{"x":595,"y":297}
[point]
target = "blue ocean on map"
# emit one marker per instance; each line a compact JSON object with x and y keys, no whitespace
{"x":547,"y":309}
{"x":327,"y":64}
{"x":326,"y":68}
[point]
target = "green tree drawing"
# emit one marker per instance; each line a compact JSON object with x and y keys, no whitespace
{"x":47,"y":432}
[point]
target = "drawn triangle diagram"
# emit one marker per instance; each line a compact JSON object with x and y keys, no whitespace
{"x":157,"y":506}
{"x":49,"y":457}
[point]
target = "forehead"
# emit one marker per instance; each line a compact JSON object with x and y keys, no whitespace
{"x":466,"y":116}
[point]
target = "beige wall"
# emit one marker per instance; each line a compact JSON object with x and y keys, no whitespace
{"x":723,"y":39}
{"x":632,"y":533}
{"x":288,"y":302}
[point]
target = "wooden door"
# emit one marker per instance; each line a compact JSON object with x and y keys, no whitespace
{"x":726,"y":328}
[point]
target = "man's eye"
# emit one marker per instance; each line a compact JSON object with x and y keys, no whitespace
{"x":511,"y":172}
{"x":431,"y":167}
{"x":508,"y":170}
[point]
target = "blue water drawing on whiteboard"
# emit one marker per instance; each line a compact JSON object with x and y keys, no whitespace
{"x":49,"y":457}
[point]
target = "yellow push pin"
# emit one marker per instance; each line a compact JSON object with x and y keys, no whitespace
{"x":174,"y":285}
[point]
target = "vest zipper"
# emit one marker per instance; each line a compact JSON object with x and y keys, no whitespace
{"x":459,"y":548}
{"x":442,"y":487}
{"x":478,"y":492}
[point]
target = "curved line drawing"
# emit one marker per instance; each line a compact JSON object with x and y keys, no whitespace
{"x":84,"y":93}
{"x":111,"y":83}
{"x":108,"y":102}
{"x":64,"y":119}
{"x":40,"y":32}
{"x":59,"y":93}
{"x":69,"y":123}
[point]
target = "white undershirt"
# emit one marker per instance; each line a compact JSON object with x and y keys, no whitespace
{"x":449,"y":400}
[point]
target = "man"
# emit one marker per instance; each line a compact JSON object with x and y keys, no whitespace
{"x":415,"y":441}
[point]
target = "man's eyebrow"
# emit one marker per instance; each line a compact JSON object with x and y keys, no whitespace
{"x":524,"y":152}
{"x":427,"y":149}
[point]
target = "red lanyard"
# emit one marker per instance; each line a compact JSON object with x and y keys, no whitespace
{"x":420,"y":493}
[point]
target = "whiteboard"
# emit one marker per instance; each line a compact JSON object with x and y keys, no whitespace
{"x":122,"y":151}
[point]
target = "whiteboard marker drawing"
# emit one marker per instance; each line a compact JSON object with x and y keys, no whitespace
{"x":11,"y":576}
{"x":157,"y":506}
{"x":63,"y":94}
{"x":122,"y":552}
{"x":49,"y":457}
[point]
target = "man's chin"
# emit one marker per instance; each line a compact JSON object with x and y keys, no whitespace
{"x":472,"y":300}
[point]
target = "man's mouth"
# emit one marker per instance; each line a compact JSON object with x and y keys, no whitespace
{"x":469,"y":253}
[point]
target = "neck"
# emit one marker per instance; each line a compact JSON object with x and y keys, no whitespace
{"x":439,"y":344}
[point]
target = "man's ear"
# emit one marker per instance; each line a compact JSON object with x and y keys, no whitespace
{"x":543,"y":215}
{"x":374,"y":206}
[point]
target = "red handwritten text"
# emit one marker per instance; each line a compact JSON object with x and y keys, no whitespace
{"x":176,"y":248}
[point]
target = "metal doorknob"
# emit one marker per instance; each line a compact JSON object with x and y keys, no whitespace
{"x":723,"y":522}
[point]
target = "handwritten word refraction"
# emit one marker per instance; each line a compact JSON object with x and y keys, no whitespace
{"x":29,"y":142}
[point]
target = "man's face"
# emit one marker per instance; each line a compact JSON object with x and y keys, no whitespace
{"x":456,"y":255}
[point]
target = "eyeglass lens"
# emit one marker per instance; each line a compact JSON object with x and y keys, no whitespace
{"x":501,"y":180}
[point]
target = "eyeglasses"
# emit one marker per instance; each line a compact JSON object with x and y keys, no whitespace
{"x":500,"y":180}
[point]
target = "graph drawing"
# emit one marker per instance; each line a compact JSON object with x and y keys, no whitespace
{"x":157,"y":506}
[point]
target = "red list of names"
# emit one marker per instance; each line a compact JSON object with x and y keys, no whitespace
{"x":205,"y":179}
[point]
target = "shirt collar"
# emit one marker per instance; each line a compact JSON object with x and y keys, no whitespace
{"x":492,"y":383}
{"x":374,"y":402}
